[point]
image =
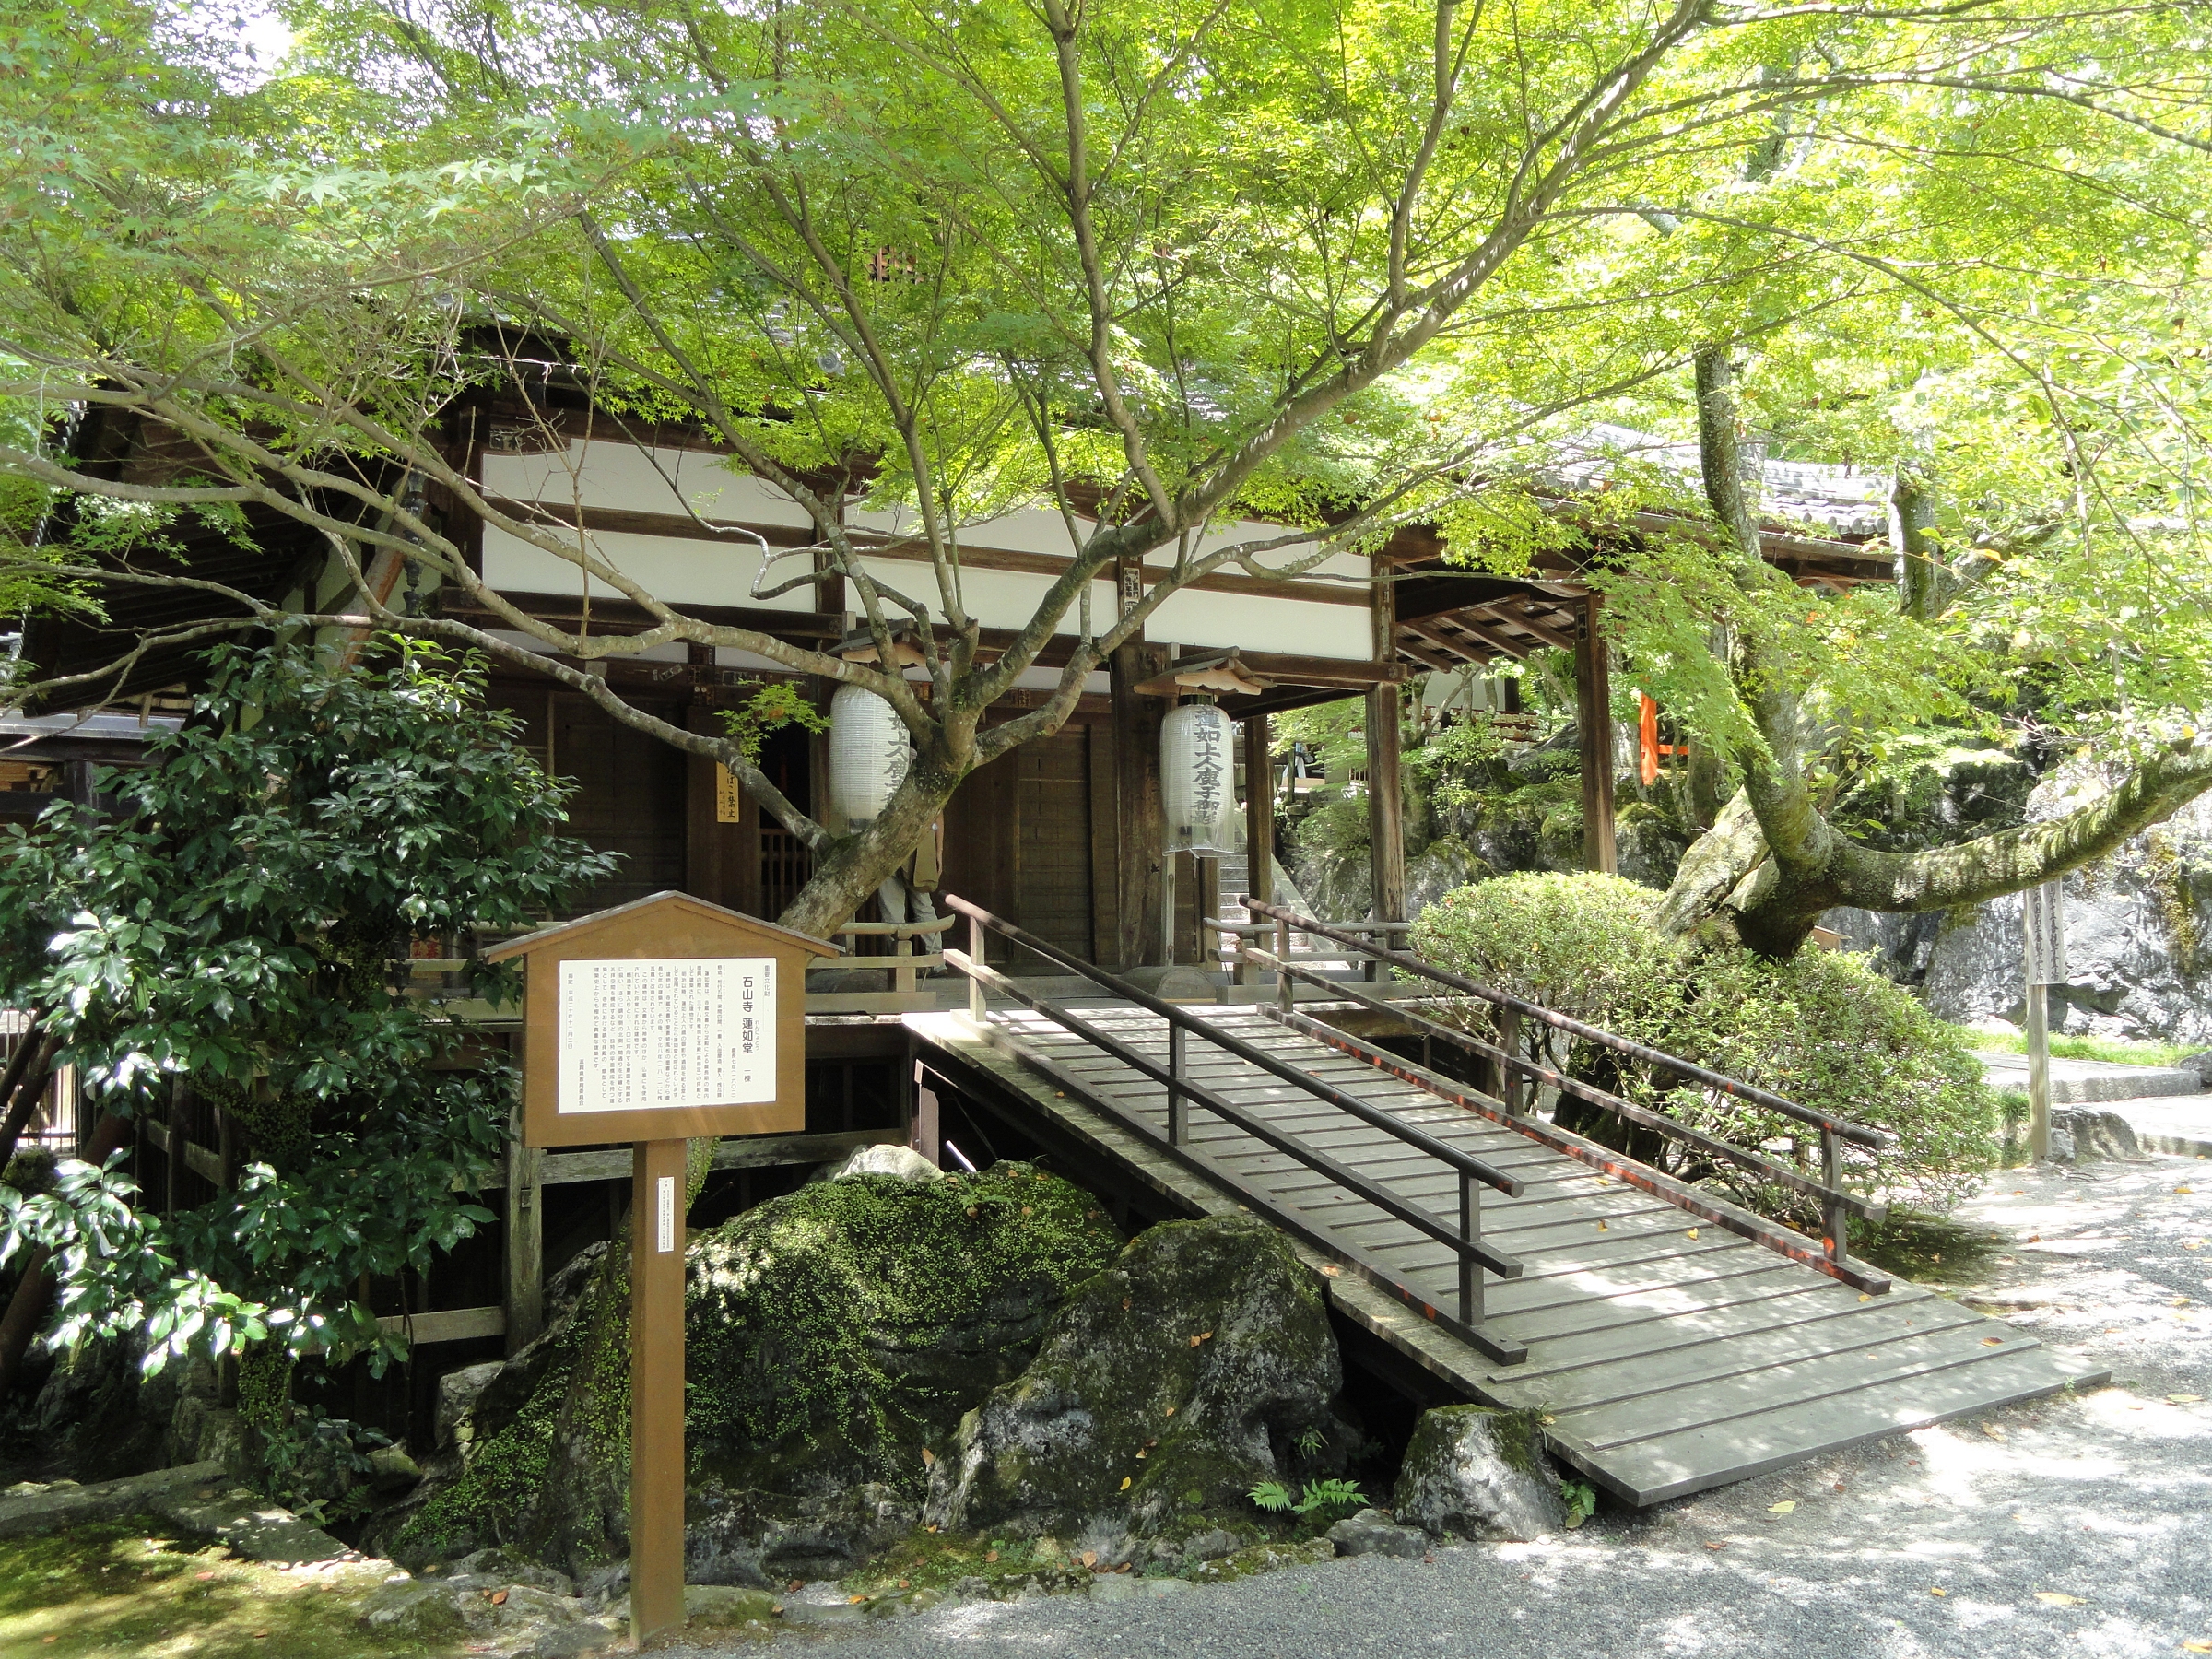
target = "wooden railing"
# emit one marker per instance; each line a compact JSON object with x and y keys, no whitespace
{"x":1184,"y":1092}
{"x":905,"y":964}
{"x":1511,"y":1067}
{"x":1232,"y":936}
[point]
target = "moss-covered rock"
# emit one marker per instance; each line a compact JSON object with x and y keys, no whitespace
{"x":1169,"y":1386}
{"x":831,"y":1337}
{"x":836,"y":1334}
{"x":1478,"y":1473}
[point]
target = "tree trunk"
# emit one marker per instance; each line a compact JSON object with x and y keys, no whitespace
{"x":853,"y":866}
{"x":1772,"y":862}
{"x":1732,"y":887}
{"x":22,"y":1087}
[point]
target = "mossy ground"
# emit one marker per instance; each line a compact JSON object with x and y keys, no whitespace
{"x":1927,"y":1249}
{"x":139,"y":1589}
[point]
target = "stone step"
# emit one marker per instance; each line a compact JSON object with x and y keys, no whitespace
{"x":50,"y":1508}
{"x":2081,"y":1082}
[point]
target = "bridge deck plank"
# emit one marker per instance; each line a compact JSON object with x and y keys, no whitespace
{"x":1666,"y":1363}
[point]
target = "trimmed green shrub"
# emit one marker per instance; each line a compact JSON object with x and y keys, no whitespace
{"x":1822,"y":1029}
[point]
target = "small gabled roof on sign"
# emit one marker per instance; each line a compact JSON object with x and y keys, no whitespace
{"x":583,"y":927}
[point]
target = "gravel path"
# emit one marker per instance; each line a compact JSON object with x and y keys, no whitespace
{"x":1941,"y":1542}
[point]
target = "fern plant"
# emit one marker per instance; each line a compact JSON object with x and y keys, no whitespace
{"x":1319,"y":1496}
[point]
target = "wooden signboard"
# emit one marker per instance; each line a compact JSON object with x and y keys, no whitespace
{"x":667,"y":1018}
{"x":657,"y":1022}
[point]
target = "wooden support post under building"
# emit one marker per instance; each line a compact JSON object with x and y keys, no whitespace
{"x":1593,"y":724}
{"x":525,"y":1294}
{"x":1386,"y":799}
{"x":656,"y":1390}
{"x":1259,"y":822}
{"x":172,"y":1184}
{"x":1259,"y":810}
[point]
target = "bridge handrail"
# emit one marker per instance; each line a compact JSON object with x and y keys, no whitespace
{"x":1861,"y":1133}
{"x":1835,"y":1203}
{"x":1465,"y":1241}
{"x":1781,"y":1174}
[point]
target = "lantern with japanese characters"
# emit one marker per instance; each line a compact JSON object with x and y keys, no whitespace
{"x":1197,"y":777}
{"x":869,"y":753}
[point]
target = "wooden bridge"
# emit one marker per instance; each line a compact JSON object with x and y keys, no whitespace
{"x":1672,"y":1340}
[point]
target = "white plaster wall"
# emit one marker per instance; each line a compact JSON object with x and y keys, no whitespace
{"x":994,"y":598}
{"x":1217,"y":621}
{"x":685,"y":572}
{"x":682,"y":573}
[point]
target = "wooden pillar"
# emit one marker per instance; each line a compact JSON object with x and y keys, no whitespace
{"x":1385,"y":800}
{"x":1593,"y":724}
{"x":925,"y":1129}
{"x":1207,"y":908}
{"x":172,"y":1185}
{"x":1140,"y":836}
{"x":656,"y":1390}
{"x":227,"y":1147}
{"x":524,"y":1293}
{"x":1259,"y":824}
{"x":1259,"y":810}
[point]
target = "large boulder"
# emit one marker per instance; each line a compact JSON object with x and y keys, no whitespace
{"x":2137,"y":926}
{"x":1168,"y":1386}
{"x":831,"y":1337}
{"x":1480,"y":1474}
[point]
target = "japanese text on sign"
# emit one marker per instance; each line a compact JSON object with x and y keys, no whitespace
{"x":2046,"y":923}
{"x":642,"y":1036}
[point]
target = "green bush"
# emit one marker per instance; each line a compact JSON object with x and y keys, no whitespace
{"x":1822,"y":1029}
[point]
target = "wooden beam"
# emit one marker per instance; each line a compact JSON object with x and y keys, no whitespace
{"x":1385,"y":802}
{"x":1593,"y":725}
{"x":1562,"y":635}
{"x":735,"y":1152}
{"x":1428,"y":658}
{"x":1444,"y":642}
{"x":737,"y":535}
{"x":1493,"y":633}
{"x":453,"y":1324}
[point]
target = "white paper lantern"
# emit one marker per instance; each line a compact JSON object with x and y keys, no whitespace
{"x":869,"y":752}
{"x":1197,"y":776}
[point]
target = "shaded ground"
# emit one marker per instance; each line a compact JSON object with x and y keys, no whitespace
{"x":137,"y":1589}
{"x":2103,"y":1501}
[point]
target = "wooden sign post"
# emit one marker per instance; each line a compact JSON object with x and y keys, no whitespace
{"x":2044,"y":916}
{"x":659,"y":1022}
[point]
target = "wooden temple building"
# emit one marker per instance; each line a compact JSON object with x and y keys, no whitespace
{"x":1063,"y":836}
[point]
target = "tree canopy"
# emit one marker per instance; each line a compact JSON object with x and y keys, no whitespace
{"x":1159,"y":266}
